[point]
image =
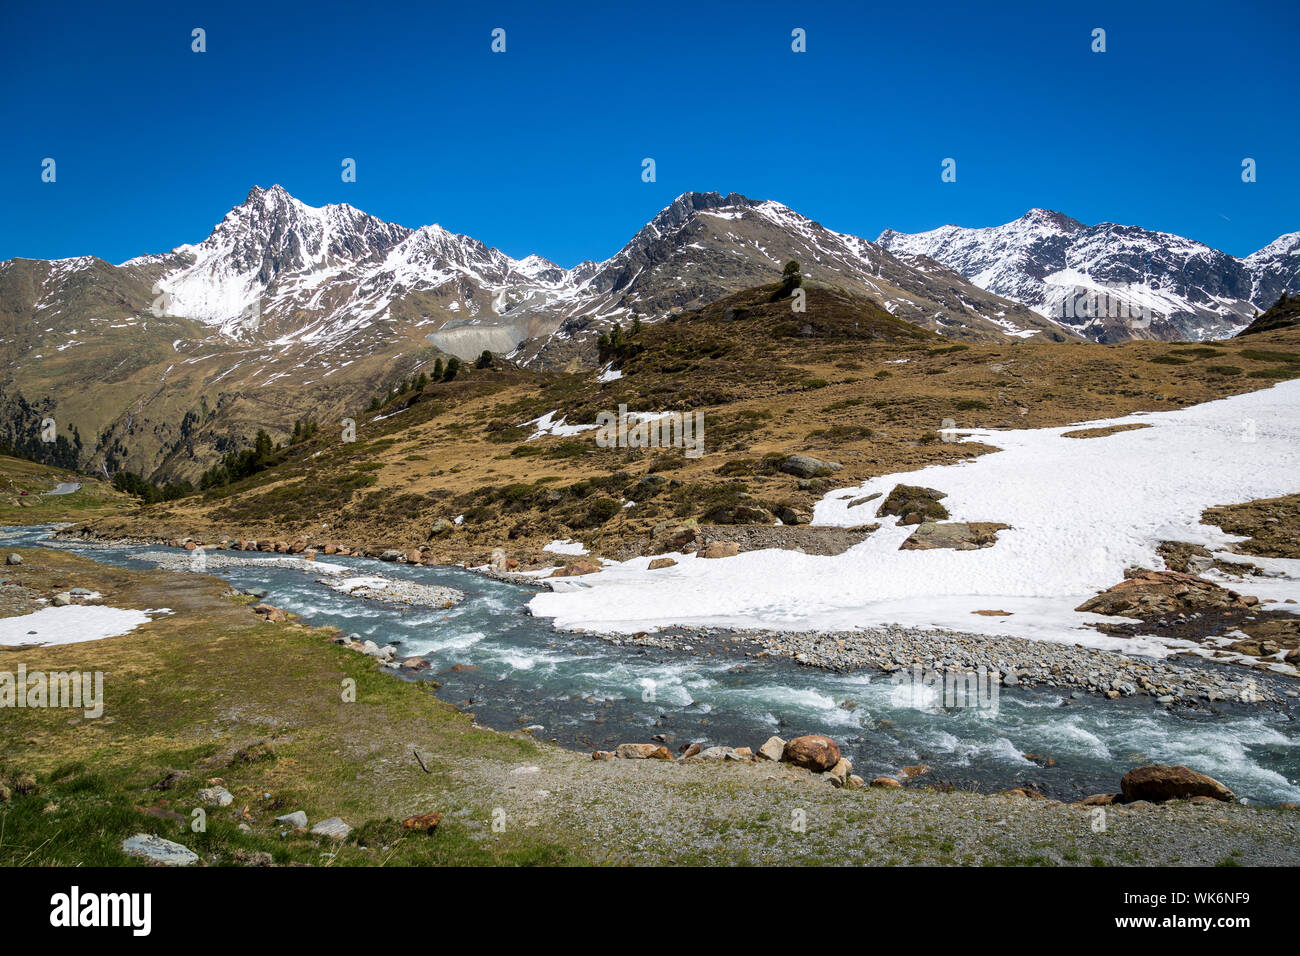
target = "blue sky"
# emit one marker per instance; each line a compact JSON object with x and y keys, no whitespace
{"x":539,"y":149}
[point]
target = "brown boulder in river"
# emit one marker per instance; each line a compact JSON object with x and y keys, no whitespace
{"x":813,"y":752}
{"x":1158,"y":783}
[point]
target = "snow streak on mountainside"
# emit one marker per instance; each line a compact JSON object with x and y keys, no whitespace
{"x":1110,"y":282}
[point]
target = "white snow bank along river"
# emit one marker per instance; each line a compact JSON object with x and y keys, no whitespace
{"x":71,"y":624}
{"x":1081,"y":510}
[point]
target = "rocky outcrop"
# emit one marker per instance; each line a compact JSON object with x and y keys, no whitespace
{"x":1158,"y":595}
{"x":954,"y":535}
{"x":914,"y":504}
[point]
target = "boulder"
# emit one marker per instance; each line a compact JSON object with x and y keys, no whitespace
{"x":602,"y":755}
{"x":270,"y":612}
{"x":422,"y":822}
{"x":1158,"y":782}
{"x":642,"y":752}
{"x":1025,"y":793}
{"x":334,"y":828}
{"x":415,"y":664}
{"x":812,"y":752}
{"x":441,"y":526}
{"x":14,"y":559}
{"x":157,"y":850}
{"x":720,"y":549}
{"x":62,"y":599}
{"x":391,"y":554}
{"x":1099,"y":800}
{"x":805,"y":466}
{"x":773,"y":749}
{"x":884,"y":782}
{"x":791,"y":516}
{"x":840,"y":772}
{"x":658,"y":563}
{"x":575,"y":569}
{"x":216,"y":796}
{"x":297,"y":820}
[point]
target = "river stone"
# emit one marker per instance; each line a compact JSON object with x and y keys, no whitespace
{"x":62,"y":599}
{"x":642,"y":752}
{"x":297,"y":820}
{"x":1158,"y":783}
{"x":334,"y":828}
{"x":772,"y":749}
{"x":813,"y":752}
{"x":14,"y":559}
{"x":841,"y":771}
{"x":157,"y":850}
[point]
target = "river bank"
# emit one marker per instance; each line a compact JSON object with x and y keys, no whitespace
{"x":488,"y":657}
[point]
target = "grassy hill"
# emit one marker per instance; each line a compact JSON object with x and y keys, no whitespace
{"x":843,"y":381}
{"x":1283,"y":314}
{"x":95,"y":497}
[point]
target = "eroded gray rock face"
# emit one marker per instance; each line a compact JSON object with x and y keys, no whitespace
{"x":155,"y":849}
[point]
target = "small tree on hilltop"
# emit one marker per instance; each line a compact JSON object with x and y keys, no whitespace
{"x":790,"y":280}
{"x":453,"y":368}
{"x":484,"y":360}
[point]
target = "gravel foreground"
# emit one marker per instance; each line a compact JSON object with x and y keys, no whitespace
{"x":653,"y":811}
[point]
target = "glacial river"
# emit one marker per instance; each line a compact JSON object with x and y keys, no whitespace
{"x":587,"y":693}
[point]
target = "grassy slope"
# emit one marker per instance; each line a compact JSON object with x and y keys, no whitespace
{"x":844,"y":381}
{"x":193,"y":691}
{"x":95,"y":498}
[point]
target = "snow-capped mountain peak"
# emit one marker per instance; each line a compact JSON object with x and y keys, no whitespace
{"x":1109,"y":281}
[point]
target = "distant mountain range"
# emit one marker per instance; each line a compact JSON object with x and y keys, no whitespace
{"x":287,"y":309}
{"x":1149,"y":284}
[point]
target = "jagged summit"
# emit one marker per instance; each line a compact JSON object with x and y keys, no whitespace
{"x":1152,"y":284}
{"x":327,"y":275}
